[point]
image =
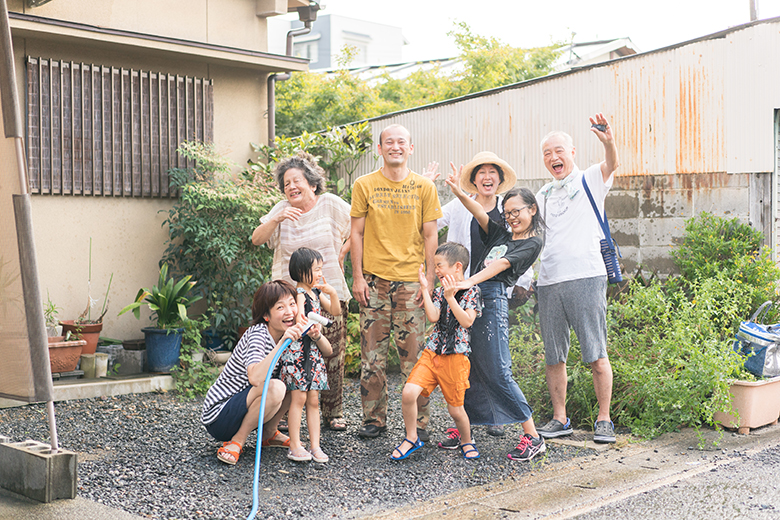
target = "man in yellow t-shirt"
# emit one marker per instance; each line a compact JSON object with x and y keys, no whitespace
{"x":394,"y":212}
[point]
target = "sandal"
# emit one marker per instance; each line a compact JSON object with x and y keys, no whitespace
{"x":416,"y":445}
{"x":273,"y":442}
{"x":223,"y":453}
{"x":301,"y":456}
{"x":466,"y":452}
{"x":337,"y":424}
{"x":319,"y":456}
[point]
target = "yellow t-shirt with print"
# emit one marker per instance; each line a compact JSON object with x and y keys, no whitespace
{"x":395,"y":212}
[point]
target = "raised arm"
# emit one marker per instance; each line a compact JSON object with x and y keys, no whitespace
{"x":256,"y":372}
{"x":474,"y":207}
{"x":263,"y":232}
{"x":329,"y":299}
{"x":496,"y":267}
{"x":607,"y":138}
{"x":431,"y":312}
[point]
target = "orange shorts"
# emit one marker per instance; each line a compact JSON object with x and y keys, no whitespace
{"x":449,"y":372}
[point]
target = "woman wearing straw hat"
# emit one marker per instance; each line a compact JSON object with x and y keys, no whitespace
{"x":485,"y":177}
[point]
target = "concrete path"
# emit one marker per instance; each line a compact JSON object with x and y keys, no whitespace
{"x":17,"y":507}
{"x":605,"y":478}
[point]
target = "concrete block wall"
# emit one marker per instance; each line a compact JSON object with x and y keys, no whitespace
{"x":647,"y":213}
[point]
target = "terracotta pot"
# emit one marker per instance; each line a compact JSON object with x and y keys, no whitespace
{"x":757,"y":402}
{"x":64,"y":355}
{"x":56,"y":339}
{"x":89,"y":332}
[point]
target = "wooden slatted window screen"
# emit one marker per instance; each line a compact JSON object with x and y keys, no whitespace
{"x":98,"y":130}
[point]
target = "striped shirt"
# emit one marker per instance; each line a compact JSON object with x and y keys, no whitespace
{"x":323,"y":228}
{"x":253,"y":347}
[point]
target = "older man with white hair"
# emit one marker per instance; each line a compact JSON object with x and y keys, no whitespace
{"x":572,"y":282}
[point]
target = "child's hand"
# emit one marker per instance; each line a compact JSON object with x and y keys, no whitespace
{"x":315,"y":331}
{"x":452,"y":179}
{"x":320,"y":284}
{"x":449,"y":285}
{"x":423,"y":279}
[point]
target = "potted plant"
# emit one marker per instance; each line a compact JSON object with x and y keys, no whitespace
{"x":192,"y":376}
{"x":168,"y":302}
{"x":85,"y":327}
{"x":50,"y":312}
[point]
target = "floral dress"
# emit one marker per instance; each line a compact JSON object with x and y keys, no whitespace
{"x":303,"y":367}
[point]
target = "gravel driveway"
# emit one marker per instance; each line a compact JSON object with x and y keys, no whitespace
{"x":148,"y":454}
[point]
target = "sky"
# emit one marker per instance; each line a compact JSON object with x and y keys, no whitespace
{"x":521,"y":23}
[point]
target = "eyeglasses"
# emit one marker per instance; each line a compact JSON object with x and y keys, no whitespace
{"x":514,"y":213}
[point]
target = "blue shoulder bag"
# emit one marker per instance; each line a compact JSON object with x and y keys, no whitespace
{"x":609,"y":248}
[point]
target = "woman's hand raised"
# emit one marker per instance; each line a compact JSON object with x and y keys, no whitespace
{"x":291,"y":213}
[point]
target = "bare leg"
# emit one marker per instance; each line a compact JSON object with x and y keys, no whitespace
{"x":458,"y":414}
{"x":530,"y":428}
{"x":297,"y":401}
{"x":409,"y":407}
{"x":276,"y":403}
{"x":556,"y":384}
{"x":602,"y":384}
{"x":313,"y":418}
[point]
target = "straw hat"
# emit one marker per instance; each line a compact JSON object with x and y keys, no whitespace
{"x":510,"y":179}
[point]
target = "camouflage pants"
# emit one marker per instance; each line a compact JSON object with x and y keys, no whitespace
{"x":391,"y":308}
{"x":331,"y":399}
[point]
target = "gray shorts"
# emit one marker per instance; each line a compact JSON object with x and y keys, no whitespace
{"x":577,"y":304}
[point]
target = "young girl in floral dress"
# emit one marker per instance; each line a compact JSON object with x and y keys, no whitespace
{"x":303,"y":367}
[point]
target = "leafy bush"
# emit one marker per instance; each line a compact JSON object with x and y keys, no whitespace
{"x":311,"y":101}
{"x":193,"y":378}
{"x":210,"y":229}
{"x":337,"y":150}
{"x":669,"y":342}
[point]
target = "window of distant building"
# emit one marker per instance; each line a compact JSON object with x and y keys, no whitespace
{"x":309,"y":50}
{"x":100,"y":130}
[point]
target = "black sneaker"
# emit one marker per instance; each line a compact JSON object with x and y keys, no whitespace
{"x":555,"y":428}
{"x":452,"y":442}
{"x":604,"y":432}
{"x":423,"y":435}
{"x":528,"y":448}
{"x":370,"y":431}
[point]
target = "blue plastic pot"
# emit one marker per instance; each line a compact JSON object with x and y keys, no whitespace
{"x":211,"y":339}
{"x":162,"y":348}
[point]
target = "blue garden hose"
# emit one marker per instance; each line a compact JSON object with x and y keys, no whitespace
{"x":313,"y":319}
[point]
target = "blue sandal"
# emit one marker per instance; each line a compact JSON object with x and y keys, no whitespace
{"x":415,"y":446}
{"x":472,"y":450}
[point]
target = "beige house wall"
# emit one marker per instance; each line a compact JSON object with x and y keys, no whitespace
{"x":232,"y":23}
{"x":128,"y":238}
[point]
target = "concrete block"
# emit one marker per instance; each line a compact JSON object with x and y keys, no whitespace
{"x":88,"y":365}
{"x":130,"y":362}
{"x":30,"y":469}
{"x":112,"y":351}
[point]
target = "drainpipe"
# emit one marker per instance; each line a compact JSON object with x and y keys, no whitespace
{"x":273,"y":78}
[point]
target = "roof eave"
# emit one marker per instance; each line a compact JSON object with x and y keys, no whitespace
{"x":29,"y":26}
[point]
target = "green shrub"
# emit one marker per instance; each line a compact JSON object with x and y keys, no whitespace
{"x":669,"y":342}
{"x":193,"y":378}
{"x":210,"y":229}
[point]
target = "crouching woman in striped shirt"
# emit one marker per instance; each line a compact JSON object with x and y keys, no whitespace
{"x":232,"y":406}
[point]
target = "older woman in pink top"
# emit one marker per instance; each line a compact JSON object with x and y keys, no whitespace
{"x":313,"y":218}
